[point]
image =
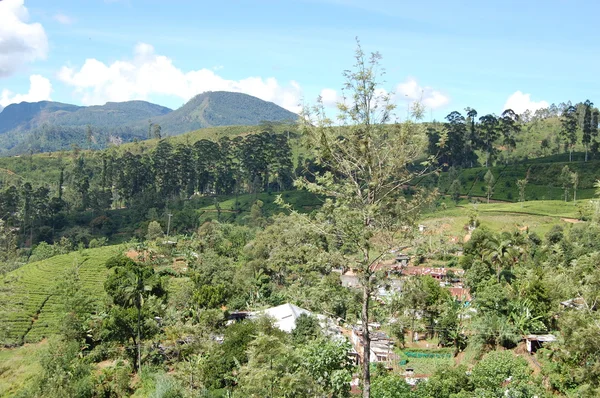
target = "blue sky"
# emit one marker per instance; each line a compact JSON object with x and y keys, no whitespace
{"x":452,"y":54}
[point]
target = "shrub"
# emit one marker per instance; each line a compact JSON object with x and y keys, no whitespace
{"x":154,"y":230}
{"x":95,"y":243}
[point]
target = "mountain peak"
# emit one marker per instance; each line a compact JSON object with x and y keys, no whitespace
{"x":222,"y":108}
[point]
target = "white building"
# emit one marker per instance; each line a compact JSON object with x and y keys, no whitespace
{"x":286,"y":315}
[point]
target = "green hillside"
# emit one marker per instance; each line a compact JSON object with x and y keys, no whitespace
{"x":542,"y":174}
{"x":44,"y":168}
{"x":50,"y":126}
{"x":222,"y":108}
{"x":28,"y":116}
{"x":29,"y":303}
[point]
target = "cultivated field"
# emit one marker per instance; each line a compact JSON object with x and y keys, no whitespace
{"x":29,"y":303}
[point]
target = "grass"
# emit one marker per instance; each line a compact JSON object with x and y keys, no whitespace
{"x":301,"y":201}
{"x":539,"y":216}
{"x":32,"y":308}
{"x":552,"y":208}
{"x":18,"y":368}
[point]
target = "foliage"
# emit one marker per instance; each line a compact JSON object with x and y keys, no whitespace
{"x":154,"y":231}
{"x":389,"y":386}
{"x":33,"y":293}
{"x":135,"y":293}
{"x":368,"y":158}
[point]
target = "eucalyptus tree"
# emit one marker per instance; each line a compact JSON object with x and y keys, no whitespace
{"x":488,"y":134}
{"x":586,"y":127}
{"x":459,"y":147}
{"x":474,"y":141}
{"x":594,"y":132}
{"x":164,"y":168}
{"x":489,"y":183}
{"x":184,"y":169}
{"x":568,"y":131}
{"x":206,"y":154}
{"x":510,"y":127}
{"x":367,"y":158}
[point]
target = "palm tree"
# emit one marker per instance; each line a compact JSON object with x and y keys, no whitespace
{"x":499,"y":254}
{"x":139,"y":285}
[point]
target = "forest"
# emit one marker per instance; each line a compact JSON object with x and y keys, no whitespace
{"x":166,"y":270}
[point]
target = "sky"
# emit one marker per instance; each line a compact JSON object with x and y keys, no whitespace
{"x":488,"y":55}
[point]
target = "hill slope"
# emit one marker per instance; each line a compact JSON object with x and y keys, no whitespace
{"x":31,"y":305}
{"x":222,"y":108}
{"x":49,"y":126}
{"x":28,"y":116}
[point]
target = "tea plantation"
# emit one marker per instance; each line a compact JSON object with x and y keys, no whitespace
{"x":29,"y":310}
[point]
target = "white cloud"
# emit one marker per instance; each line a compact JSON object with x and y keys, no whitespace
{"x":20,"y":41}
{"x":330,"y":97}
{"x":63,"y":19}
{"x":411,"y":91}
{"x":149,"y":73}
{"x":40,"y":89}
{"x":520,"y":102}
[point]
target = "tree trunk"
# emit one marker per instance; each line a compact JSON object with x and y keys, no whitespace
{"x":139,"y":343}
{"x":366,"y":342}
{"x":570,"y":155}
{"x":586,"y":152}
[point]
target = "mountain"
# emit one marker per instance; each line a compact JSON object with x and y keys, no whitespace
{"x":28,"y":116}
{"x":222,"y":108}
{"x":49,"y":126}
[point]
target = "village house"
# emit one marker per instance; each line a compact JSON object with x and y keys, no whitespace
{"x":439,"y":273}
{"x":286,"y":315}
{"x":382,"y":346}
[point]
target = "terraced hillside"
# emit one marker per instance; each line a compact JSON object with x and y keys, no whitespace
{"x":543,"y":175}
{"x":28,"y":311}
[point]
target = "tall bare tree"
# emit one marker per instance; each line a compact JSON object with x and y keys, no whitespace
{"x":369,"y":159}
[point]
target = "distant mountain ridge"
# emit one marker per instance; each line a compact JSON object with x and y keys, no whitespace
{"x":47,"y":126}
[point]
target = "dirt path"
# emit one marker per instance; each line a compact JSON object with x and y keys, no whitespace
{"x":571,"y":220}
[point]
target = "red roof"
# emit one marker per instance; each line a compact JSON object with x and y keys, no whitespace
{"x":461,"y":293}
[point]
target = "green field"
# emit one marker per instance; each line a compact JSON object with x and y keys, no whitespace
{"x":18,"y":368}
{"x":428,"y":363}
{"x":538,"y":216}
{"x":302,"y":201}
{"x":30,"y":305}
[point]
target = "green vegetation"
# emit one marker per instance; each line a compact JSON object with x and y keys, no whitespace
{"x":215,"y":233}
{"x":221,"y":108}
{"x":19,"y":368}
{"x":51,"y":126}
{"x":30,"y":304}
{"x":541,"y":175}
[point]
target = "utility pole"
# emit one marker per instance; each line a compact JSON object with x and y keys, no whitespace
{"x":169,"y":224}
